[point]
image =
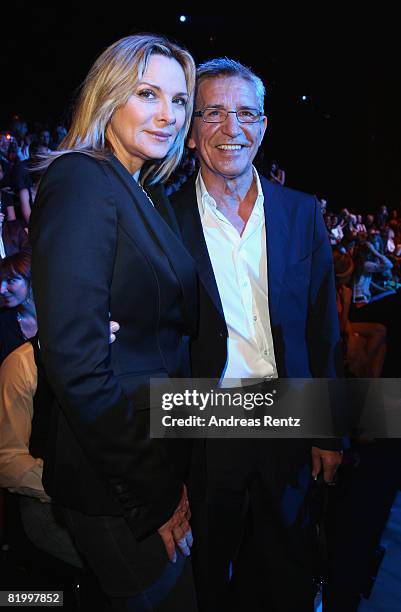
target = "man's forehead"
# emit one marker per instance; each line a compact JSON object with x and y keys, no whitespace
{"x":215,"y":90}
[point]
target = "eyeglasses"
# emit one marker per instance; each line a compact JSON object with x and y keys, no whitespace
{"x":219,"y":115}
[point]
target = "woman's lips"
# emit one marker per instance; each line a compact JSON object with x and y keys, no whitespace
{"x":161,"y":136}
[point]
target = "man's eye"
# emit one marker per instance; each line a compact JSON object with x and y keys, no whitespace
{"x":213,"y":113}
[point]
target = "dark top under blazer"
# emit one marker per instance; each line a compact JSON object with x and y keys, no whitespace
{"x":99,"y":247}
{"x":301,"y":290}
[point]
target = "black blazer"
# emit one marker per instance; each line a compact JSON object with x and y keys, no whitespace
{"x":100,"y":248}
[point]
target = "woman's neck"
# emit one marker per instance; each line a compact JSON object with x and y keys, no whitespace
{"x":27,"y":309}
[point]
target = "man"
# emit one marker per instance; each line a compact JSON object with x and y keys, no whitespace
{"x":267,"y":310}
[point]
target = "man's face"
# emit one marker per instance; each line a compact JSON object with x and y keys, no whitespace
{"x":45,"y":138}
{"x":229,"y":148}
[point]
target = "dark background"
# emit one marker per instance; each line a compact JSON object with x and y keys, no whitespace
{"x":343,"y":143}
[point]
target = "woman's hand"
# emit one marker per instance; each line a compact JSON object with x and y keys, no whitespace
{"x":114,"y":327}
{"x":177,"y":530}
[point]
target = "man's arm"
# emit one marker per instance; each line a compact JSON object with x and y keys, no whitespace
{"x":324,"y":340}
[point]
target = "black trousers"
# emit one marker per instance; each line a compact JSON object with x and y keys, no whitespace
{"x":255,"y":548}
{"x":136,"y":576}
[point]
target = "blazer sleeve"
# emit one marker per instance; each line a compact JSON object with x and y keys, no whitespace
{"x":325,"y":353}
{"x":73,"y":234}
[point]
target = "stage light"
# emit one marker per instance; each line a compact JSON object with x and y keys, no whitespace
{"x":183,"y":18}
{"x":304,"y":98}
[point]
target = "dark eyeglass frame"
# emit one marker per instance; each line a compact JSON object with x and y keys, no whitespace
{"x":200,"y":113}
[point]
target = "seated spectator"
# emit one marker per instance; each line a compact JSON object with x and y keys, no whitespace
{"x":336,"y":231}
{"x":393,"y":220}
{"x":389,"y":240}
{"x":13,"y":237}
{"x":6,"y":193}
{"x":276,"y":174}
{"x":360,"y":226}
{"x":364,"y":343}
{"x":384,"y":307}
{"x":382,"y":217}
{"x":20,"y":131}
{"x":44,"y":140}
{"x":20,"y":469}
{"x":370,"y":223}
{"x":23,"y":185}
{"x":59,"y":133}
{"x":18,"y":316}
{"x":369,"y":261}
{"x":25,"y":404}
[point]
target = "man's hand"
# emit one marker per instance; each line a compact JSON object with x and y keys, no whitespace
{"x":330,"y":460}
{"x":177,"y":530}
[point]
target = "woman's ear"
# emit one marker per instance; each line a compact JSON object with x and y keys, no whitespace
{"x":191,"y":143}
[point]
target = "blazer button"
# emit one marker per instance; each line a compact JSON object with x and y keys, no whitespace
{"x":221,"y":334}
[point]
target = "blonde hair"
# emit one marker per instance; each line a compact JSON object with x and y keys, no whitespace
{"x":108,"y":86}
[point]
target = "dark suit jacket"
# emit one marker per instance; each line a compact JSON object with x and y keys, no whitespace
{"x":99,"y":247}
{"x":15,"y":238}
{"x":302,"y":306}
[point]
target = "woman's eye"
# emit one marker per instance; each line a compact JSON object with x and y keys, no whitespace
{"x":148,"y":94}
{"x":180,"y":101}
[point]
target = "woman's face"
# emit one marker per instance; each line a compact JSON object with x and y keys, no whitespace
{"x":14,"y":290}
{"x":147,"y":125}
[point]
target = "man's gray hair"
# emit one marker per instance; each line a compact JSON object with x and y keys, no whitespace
{"x":224,"y":66}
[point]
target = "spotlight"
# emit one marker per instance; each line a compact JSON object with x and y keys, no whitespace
{"x":183,"y":18}
{"x":304,"y":98}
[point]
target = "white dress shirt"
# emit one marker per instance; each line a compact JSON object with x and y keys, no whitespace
{"x":240,"y":268}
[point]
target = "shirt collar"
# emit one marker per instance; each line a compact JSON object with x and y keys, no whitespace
{"x":206,"y":200}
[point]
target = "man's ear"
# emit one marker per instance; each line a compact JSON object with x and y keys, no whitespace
{"x":263,"y":128}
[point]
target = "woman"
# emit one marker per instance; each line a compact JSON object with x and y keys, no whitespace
{"x":18,"y":315}
{"x":100,"y":247}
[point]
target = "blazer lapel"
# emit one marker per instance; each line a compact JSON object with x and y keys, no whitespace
{"x":277,"y":233}
{"x":187,"y":212}
{"x":179,"y":259}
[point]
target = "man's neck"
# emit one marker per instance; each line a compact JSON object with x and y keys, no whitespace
{"x":235,"y":197}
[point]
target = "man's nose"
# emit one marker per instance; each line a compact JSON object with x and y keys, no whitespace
{"x":231,"y":125}
{"x":3,"y":287}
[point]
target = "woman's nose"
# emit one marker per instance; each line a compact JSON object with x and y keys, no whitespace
{"x":167,"y":113}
